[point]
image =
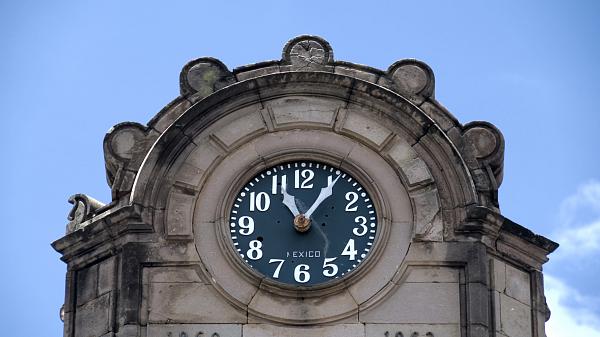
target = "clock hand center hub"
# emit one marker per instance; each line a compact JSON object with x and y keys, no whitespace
{"x":301,"y":223}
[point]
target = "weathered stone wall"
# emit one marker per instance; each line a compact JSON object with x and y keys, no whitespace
{"x":156,"y":261}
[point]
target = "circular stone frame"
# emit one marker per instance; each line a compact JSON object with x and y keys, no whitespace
{"x":278,"y":302}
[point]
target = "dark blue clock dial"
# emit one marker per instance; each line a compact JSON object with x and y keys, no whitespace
{"x":303,"y":223}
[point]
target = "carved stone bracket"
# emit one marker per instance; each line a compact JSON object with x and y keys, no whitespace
{"x":125,"y":146}
{"x":482,"y":146}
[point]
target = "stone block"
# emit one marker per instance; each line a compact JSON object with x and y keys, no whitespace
{"x":496,"y":299}
{"x":189,"y":174}
{"x":171,"y":274}
{"x":442,"y":117}
{"x":518,"y":285}
{"x":267,"y":330}
{"x":87,"y":284}
{"x":303,"y":309}
{"x":515,"y":317}
{"x":197,"y":162}
{"x":479,"y":304}
{"x":174,"y":110}
{"x":366,"y":127}
{"x":446,"y":251}
{"x":400,"y":151}
{"x":426,"y":204}
{"x":232,"y":130}
{"x":357,"y":73}
{"x":128,"y":330}
{"x":177,"y":251}
{"x":106,"y":276}
{"x":499,"y":269}
{"x":296,"y":140}
{"x":247,"y":74}
{"x":412,"y":330}
{"x":189,"y":303}
{"x":93,"y":318}
{"x":194,"y":330}
{"x":426,"y":303}
{"x":432,"y":274}
{"x":312,"y":110}
{"x":416,"y":172}
{"x":179,"y":212}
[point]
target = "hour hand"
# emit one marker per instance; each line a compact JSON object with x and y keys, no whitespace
{"x":289,"y":200}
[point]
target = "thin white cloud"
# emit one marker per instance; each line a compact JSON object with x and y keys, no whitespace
{"x":579,"y":232}
{"x":579,"y":241}
{"x":567,"y":321}
{"x":587,"y":198}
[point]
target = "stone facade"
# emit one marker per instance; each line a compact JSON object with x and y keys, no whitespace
{"x":155,"y":261}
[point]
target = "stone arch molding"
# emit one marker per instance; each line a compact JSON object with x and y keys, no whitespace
{"x":427,"y":169}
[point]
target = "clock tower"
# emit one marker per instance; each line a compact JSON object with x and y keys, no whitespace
{"x":302,"y":197}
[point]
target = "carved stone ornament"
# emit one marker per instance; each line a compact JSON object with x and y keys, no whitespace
{"x":413,"y":242}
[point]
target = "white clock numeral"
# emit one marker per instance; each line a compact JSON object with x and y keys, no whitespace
{"x":308,"y":175}
{"x":255,"y":252}
{"x":301,"y":274}
{"x":260,"y":201}
{"x":274,"y":185}
{"x":326,"y":264}
{"x":278,"y":269}
{"x":353,"y":198}
{"x":349,"y":250}
{"x":361,"y":221}
{"x":246,"y":224}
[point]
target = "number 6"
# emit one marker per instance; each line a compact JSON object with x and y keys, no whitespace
{"x":301,"y":274}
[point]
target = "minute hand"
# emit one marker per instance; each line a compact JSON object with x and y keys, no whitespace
{"x":325,"y":193}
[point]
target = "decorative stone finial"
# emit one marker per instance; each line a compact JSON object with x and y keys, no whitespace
{"x":412,"y":77}
{"x":307,"y":52}
{"x":203,"y":76}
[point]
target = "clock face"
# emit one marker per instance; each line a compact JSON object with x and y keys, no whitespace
{"x":303,"y":223}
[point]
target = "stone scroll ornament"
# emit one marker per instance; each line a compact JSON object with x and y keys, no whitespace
{"x":84,"y":208}
{"x":302,"y":196}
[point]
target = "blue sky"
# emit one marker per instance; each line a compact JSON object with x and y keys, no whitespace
{"x":72,"y":69}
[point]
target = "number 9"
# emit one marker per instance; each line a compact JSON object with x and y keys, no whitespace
{"x":246,"y":224}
